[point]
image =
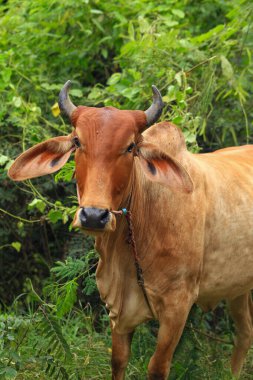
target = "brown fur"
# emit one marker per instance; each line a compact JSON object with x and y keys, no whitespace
{"x":193,"y":236}
{"x":44,"y":158}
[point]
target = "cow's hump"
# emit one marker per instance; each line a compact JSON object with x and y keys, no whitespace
{"x":167,"y":136}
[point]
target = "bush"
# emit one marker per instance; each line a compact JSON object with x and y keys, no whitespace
{"x":199,"y":54}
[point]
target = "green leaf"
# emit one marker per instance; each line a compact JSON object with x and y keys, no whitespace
{"x":104,"y":53}
{"x":171,"y":23}
{"x":144,"y":25}
{"x":171,"y":94}
{"x":54,"y":215}
{"x":50,"y":87}
{"x":182,"y":104}
{"x":37,"y":204}
{"x":6,"y":74}
{"x":76,"y":92}
{"x":227,"y":69}
{"x":177,"y":120}
{"x":178,"y":13}
{"x":65,"y":217}
{"x":90,"y":285}
{"x":66,"y":298}
{"x":96,"y":93}
{"x":52,"y":328}
{"x":189,"y":137}
{"x":16,"y":101}
{"x":211,"y":33}
{"x":20,"y":225}
{"x":189,"y":90}
{"x":96,"y":11}
{"x":16,"y":245}
{"x":10,"y":373}
{"x":130,"y":92}
{"x":70,"y":268}
{"x":115,"y":78}
{"x":3,"y":159}
{"x":131,"y":31}
{"x":98,"y":25}
{"x":8,"y":165}
{"x":66,"y":172}
{"x":178,"y":78}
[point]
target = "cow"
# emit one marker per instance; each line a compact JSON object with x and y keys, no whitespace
{"x":192,"y":218}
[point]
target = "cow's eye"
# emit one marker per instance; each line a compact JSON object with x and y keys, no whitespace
{"x":76,"y":142}
{"x":130,"y":147}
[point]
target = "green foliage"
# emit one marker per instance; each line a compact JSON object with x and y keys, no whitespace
{"x":70,"y":269}
{"x":66,"y":173}
{"x":38,"y":204}
{"x":35,"y":347}
{"x":63,"y":292}
{"x":113,"y":52}
{"x":58,"y":351}
{"x":199,"y":54}
{"x":43,"y":347}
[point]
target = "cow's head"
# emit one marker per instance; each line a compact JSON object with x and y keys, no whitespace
{"x":106,"y":141}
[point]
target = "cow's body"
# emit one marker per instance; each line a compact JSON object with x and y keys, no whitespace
{"x":206,"y":245}
{"x":192,"y":217}
{"x":211,"y":236}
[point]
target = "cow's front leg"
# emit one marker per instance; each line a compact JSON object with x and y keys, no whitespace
{"x":172,"y":317}
{"x":121,"y":347}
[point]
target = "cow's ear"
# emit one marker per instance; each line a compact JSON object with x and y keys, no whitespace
{"x":162,"y":168}
{"x":44,"y":158}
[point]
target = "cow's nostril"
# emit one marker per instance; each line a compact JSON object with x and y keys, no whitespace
{"x":83,"y":215}
{"x":93,"y":218}
{"x":105,"y":216}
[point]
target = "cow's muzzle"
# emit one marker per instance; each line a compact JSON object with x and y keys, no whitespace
{"x":94,"y":218}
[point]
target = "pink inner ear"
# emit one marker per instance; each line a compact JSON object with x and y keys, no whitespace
{"x":44,"y":158}
{"x":171,"y":171}
{"x":164,"y":172}
{"x":167,"y":171}
{"x":39,"y":166}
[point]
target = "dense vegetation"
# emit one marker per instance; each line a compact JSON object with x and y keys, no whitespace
{"x":199,"y":53}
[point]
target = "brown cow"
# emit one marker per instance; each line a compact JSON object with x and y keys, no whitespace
{"x":192,"y":216}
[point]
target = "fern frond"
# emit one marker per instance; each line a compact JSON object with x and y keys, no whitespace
{"x":58,"y":345}
{"x":70,"y":269}
{"x":66,"y":298}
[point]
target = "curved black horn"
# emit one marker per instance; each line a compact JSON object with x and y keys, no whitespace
{"x":155,"y":110}
{"x":64,"y":101}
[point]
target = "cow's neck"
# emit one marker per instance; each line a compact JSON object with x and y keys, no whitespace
{"x":116,"y":273}
{"x":145,"y":205}
{"x":141,"y":199}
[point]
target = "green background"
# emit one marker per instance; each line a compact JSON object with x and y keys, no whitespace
{"x":199,"y":54}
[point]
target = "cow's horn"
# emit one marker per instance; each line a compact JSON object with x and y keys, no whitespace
{"x":65,"y":103}
{"x":154,"y":111}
